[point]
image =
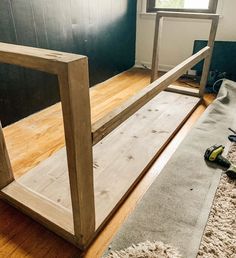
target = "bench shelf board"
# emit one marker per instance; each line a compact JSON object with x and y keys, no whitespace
{"x":120,"y":160}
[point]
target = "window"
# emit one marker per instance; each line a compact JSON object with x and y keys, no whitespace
{"x":206,"y":6}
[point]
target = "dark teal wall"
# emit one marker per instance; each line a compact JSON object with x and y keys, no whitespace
{"x":103,"y":30}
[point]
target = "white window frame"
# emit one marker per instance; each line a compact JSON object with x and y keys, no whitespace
{"x":150,"y":8}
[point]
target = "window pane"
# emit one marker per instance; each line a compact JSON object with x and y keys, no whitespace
{"x":182,"y":4}
{"x":170,"y":3}
{"x":193,"y":4}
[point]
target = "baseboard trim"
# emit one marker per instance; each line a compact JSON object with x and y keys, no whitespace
{"x":148,"y":65}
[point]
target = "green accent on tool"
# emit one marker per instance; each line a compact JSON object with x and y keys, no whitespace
{"x":213,"y":154}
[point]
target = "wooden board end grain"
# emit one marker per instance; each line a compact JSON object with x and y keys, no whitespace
{"x":6,"y":173}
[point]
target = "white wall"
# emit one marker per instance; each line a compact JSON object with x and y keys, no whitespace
{"x":178,"y":34}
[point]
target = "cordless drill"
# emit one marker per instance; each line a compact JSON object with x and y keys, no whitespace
{"x":213,"y":154}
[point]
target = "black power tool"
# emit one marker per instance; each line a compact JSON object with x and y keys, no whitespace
{"x":213,"y":154}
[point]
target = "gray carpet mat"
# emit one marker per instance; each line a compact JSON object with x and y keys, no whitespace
{"x":176,"y":207}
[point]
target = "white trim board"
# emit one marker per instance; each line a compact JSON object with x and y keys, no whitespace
{"x":162,"y":67}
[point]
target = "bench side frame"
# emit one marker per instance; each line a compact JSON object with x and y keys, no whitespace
{"x":72,"y":73}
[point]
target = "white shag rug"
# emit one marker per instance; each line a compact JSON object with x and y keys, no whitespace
{"x":146,"y":250}
{"x":219,"y":238}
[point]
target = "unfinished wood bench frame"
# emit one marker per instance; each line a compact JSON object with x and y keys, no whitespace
{"x":206,"y":52}
{"x":78,"y":226}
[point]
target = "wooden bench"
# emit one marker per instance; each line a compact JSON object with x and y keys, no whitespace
{"x":78,"y":188}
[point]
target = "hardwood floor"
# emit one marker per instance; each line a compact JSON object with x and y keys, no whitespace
{"x":29,"y":142}
{"x":41,"y":141}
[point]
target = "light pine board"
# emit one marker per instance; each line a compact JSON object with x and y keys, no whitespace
{"x":43,"y":132}
{"x":5,"y":178}
{"x":109,"y":122}
{"x":119,"y":159}
{"x":73,"y":80}
{"x":160,"y":15}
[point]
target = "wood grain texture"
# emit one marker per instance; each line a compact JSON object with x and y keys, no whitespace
{"x":207,"y":58}
{"x":74,"y":91}
{"x":41,"y":135}
{"x":207,"y":61}
{"x":119,"y":158}
{"x":37,"y":137}
{"x":6,"y":174}
{"x":156,"y":46}
{"x":72,"y":73}
{"x":101,"y":243}
{"x":106,"y":124}
{"x":40,"y":59}
{"x":40,"y":208}
{"x":183,"y":90}
{"x":76,"y":27}
{"x":21,"y":236}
